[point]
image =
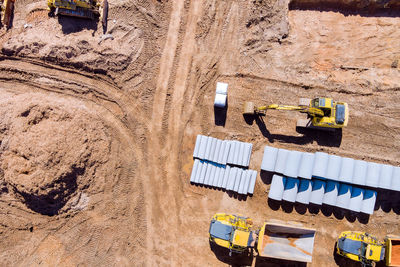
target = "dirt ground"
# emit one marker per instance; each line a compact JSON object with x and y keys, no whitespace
{"x":97,"y":136}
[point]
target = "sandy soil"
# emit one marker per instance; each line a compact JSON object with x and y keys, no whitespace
{"x":96,"y":138}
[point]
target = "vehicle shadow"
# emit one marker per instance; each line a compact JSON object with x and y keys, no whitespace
{"x":323,"y":138}
{"x":342,"y":261}
{"x":270,"y":262}
{"x":371,"y":10}
{"x":222,"y":254}
{"x":73,"y":24}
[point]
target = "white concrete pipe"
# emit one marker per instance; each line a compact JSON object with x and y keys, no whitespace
{"x":331,"y":193}
{"x":360,"y":172}
{"x":281,"y":160}
{"x":343,"y":199}
{"x":304,"y":192}
{"x":320,"y":164}
{"x":346,"y":170}
{"x":292,"y":164}
{"x":318,"y":191}
{"x":306,"y":165}
{"x":269,"y":158}
{"x":368,"y":203}
{"x":277,"y":187}
{"x":291,"y":189}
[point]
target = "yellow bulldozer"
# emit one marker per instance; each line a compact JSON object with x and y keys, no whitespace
{"x":367,"y":249}
{"x":7,"y":10}
{"x":323,"y":113}
{"x":77,"y":8}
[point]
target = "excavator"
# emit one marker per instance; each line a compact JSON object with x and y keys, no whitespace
{"x":323,"y":113}
{"x":88,"y":9}
{"x":7,"y":9}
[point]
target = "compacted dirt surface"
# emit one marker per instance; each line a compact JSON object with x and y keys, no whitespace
{"x":97,"y":134}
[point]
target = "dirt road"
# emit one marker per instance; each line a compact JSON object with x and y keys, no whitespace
{"x":130,"y":109}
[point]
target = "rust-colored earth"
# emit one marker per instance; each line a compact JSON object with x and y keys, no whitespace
{"x":96,"y":136}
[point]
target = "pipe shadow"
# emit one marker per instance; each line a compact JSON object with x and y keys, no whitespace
{"x":266,"y":176}
{"x":220,"y":115}
{"x":235,"y":195}
{"x":323,"y":138}
{"x":371,"y":9}
{"x":326,"y":210}
{"x":387,"y":201}
{"x":300,"y":208}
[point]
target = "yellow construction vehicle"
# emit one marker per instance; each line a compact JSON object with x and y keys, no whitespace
{"x":323,"y":113}
{"x":76,"y":8}
{"x":367,"y":249}
{"x":7,"y":10}
{"x":273,"y":240}
{"x":231,"y":232}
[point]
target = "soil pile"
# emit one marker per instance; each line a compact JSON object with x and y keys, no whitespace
{"x":49,"y":152}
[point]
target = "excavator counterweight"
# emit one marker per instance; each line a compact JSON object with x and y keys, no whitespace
{"x":78,"y":8}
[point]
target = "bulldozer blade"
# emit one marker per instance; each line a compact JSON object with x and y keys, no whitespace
{"x":248,"y":108}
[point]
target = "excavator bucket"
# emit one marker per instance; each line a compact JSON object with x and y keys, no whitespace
{"x":248,"y":108}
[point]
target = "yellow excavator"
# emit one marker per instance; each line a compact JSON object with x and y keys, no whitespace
{"x":323,"y":113}
{"x":77,"y":8}
{"x":7,"y":9}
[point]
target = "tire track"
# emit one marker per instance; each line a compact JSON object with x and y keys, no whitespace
{"x":115,"y":108}
{"x":166,"y":63}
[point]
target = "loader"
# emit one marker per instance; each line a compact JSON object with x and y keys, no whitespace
{"x":368,"y":249}
{"x":279,"y":240}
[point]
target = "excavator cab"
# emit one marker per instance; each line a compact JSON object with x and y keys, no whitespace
{"x":335,"y":113}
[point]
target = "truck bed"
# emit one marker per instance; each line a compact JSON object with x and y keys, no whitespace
{"x":282,"y":241}
{"x":394,"y":251}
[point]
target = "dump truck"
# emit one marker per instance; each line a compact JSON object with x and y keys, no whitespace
{"x":368,"y":249}
{"x":277,"y":240}
{"x":88,"y":9}
{"x":322,"y":113}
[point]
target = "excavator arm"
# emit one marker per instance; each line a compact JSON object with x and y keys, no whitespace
{"x":250,"y":109}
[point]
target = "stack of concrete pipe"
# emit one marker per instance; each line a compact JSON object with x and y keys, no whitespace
{"x":320,"y":192}
{"x":222,"y":151}
{"x":331,"y":167}
{"x":241,"y":181}
{"x":220,"y":164}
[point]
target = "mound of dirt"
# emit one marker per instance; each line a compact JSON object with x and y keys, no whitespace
{"x":48,"y":151}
